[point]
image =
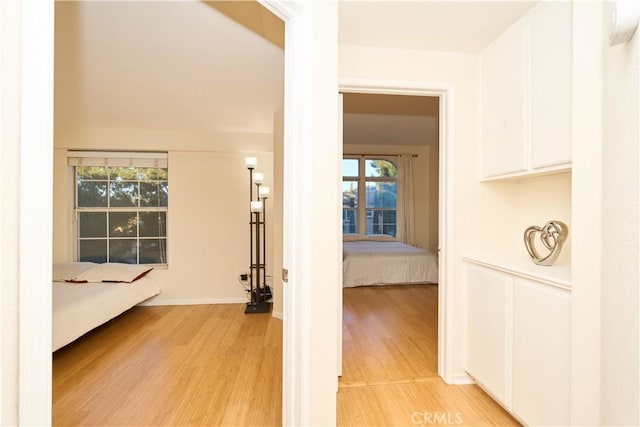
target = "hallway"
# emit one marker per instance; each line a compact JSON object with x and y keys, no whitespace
{"x":390,"y":336}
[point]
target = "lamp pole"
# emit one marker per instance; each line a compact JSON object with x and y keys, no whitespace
{"x":257,"y":302}
{"x":251,"y":163}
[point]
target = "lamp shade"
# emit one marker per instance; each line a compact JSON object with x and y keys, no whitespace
{"x":250,"y":162}
{"x":256,"y":206}
{"x":258,"y":177}
{"x":264,"y":192}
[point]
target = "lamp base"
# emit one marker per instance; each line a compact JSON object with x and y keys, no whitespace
{"x":263,"y":307}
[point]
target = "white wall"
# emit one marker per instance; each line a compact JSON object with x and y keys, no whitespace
{"x":461,"y":70}
{"x":426,"y":186}
{"x":484,"y":219}
{"x":620,"y":388}
{"x":539,"y":200}
{"x":207,"y":223}
{"x":10,"y":212}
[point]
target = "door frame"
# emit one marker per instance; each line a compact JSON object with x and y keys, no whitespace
{"x":311,"y":166}
{"x":446,"y":184}
{"x":26,"y":94}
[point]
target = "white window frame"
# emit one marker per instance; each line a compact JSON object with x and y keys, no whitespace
{"x":362,"y":180}
{"x":116,"y":159}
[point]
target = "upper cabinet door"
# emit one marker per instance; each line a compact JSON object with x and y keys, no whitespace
{"x":526,"y":95}
{"x":504,"y":82}
{"x":551,"y":84}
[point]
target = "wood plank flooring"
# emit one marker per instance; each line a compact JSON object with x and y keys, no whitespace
{"x":212,"y":365}
{"x":199,"y":365}
{"x":389,"y":334}
{"x":390,"y":378}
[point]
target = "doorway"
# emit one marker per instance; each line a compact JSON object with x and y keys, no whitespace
{"x":445,"y":240}
{"x":390,"y":181}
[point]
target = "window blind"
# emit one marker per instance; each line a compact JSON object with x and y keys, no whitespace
{"x":119,"y":159}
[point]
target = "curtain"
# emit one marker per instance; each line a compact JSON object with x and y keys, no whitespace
{"x":405,"y":209}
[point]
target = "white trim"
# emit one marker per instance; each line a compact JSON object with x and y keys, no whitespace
{"x":284,"y":10}
{"x":462,"y":378}
{"x":309,"y":382}
{"x":10,"y":33}
{"x":295,"y":374}
{"x":277,"y":315}
{"x":195,"y":301}
{"x":393,"y":87}
{"x":446,"y":302}
{"x":557,"y":276}
{"x":339,"y":231}
{"x":36,"y":205}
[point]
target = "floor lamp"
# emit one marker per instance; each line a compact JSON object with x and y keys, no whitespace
{"x":259,"y":292}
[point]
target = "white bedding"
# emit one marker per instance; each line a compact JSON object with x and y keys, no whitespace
{"x":80,"y":307}
{"x":385,"y":263}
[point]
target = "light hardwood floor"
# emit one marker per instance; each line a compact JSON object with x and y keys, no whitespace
{"x":213,"y":365}
{"x":390,"y":375}
{"x":194,"y":365}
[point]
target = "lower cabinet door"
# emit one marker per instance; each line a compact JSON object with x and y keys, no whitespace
{"x":487,"y":360}
{"x":541,"y":353}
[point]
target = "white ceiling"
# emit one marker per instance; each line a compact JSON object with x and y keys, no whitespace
{"x":218,"y":66}
{"x":390,"y":119}
{"x":431,"y":25}
{"x":163,"y":65}
{"x":460,"y":26}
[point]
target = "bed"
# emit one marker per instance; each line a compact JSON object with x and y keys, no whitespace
{"x":86,"y":295}
{"x":383,"y":261}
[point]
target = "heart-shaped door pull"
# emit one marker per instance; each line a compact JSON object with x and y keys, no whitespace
{"x":552,"y":235}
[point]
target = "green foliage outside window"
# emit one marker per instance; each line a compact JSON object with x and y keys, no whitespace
{"x":122,"y":214}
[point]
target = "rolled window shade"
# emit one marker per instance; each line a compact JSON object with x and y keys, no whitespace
{"x":118,"y":159}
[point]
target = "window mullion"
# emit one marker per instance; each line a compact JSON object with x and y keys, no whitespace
{"x":138,"y":197}
{"x":362,"y":190}
{"x":107,"y":232}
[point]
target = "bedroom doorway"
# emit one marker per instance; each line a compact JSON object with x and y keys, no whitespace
{"x":390,"y":204}
{"x":421,"y":114}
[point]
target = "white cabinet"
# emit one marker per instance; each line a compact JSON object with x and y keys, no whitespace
{"x":526,"y":95}
{"x":550,"y":84}
{"x":503,"y":103}
{"x":519,"y":342}
{"x":487,"y":342}
{"x":541,"y":356}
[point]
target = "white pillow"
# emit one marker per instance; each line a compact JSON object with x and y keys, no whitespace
{"x":380,"y":238}
{"x":113,"y":272}
{"x":352,"y":237}
{"x":63,"y":271}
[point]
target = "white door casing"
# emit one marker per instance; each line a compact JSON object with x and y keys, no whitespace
{"x":339,"y":231}
{"x":311,"y":169}
{"x":26,"y":93}
{"x":446,"y":295}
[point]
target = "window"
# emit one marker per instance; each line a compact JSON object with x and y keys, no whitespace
{"x":378,"y":177}
{"x":120,"y":207}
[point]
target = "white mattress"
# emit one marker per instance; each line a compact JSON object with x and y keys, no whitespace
{"x":386,"y":263}
{"x":80,"y":307}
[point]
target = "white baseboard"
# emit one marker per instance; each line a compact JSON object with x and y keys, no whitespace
{"x":198,"y":301}
{"x":204,"y":301}
{"x":462,"y":378}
